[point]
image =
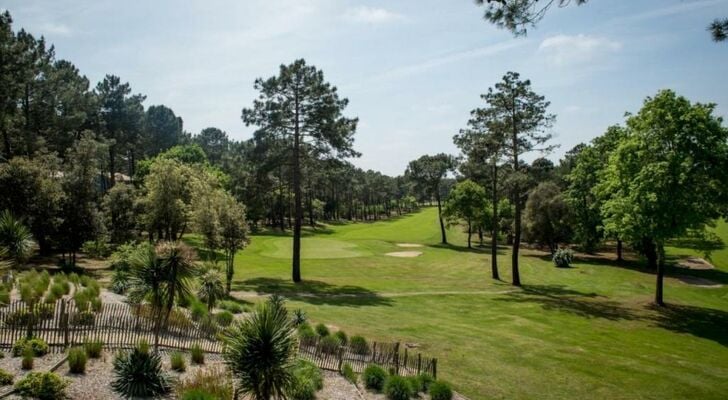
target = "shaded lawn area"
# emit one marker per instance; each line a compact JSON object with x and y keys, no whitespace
{"x":582,"y":332}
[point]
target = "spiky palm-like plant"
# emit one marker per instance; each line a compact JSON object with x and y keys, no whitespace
{"x":15,"y":237}
{"x":211,"y":289}
{"x":138,"y":374}
{"x":261,"y":351}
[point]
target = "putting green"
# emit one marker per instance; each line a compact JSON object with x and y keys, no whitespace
{"x":313,"y":248}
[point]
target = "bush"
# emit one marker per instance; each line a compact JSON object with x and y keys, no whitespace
{"x":96,"y":249}
{"x":307,"y":380}
{"x":139,"y":374}
{"x":322,"y":330}
{"x":4,"y":296}
{"x":18,"y":318}
{"x":84,"y":318}
{"x":224,"y":318}
{"x":27,"y":358}
{"x":212,"y":382}
{"x":305,"y":331}
{"x":93,"y":348}
{"x":197,"y":355}
{"x":397,"y":388}
{"x":299,"y":317}
{"x":119,"y":287}
{"x":37,"y":345}
{"x":177,"y":361}
{"x":440,"y":390}
{"x":422,"y":383}
{"x":57,"y":290}
{"x":563,"y":257}
{"x":42,"y":386}
{"x":6,"y":378}
{"x":343,"y":339}
{"x":198,"y":310}
{"x":96,"y":304}
{"x":359,"y":345}
{"x":348,"y":372}
{"x":231,"y":306}
{"x":77,"y":360}
{"x":197,"y":394}
{"x":329,"y":344}
{"x":374,"y":377}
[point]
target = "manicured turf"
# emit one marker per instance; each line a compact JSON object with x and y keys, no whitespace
{"x":584,"y":332}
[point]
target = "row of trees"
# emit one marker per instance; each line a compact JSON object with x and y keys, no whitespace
{"x":661,"y":175}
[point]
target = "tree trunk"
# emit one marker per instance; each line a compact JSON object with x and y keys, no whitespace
{"x":112,"y":165}
{"x":494,"y":231}
{"x":229,"y":271}
{"x":660,"y":275}
{"x":648,"y":248}
{"x":439,"y":215}
{"x":470,"y":234}
{"x":619,"y":250}
{"x":517,"y":217}
{"x":296,"y":273}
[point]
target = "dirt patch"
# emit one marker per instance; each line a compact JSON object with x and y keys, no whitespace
{"x":699,"y":282}
{"x":408,"y":245}
{"x":404,"y":254}
{"x":695,"y":263}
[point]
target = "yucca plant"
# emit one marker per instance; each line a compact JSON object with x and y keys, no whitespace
{"x":261,"y":350}
{"x":15,"y":238}
{"x":139,"y":374}
{"x":211,"y":289}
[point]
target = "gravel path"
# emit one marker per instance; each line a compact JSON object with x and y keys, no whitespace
{"x":337,"y":388}
{"x":13,"y":364}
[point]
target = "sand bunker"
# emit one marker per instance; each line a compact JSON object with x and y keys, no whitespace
{"x":404,"y":254}
{"x":408,"y":245}
{"x":700,"y":282}
{"x":695,"y":263}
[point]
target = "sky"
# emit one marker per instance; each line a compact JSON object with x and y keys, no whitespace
{"x":412,"y":70}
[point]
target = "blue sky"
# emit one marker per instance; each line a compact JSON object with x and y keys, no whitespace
{"x":412,"y":70}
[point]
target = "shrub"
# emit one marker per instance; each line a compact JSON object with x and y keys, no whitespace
{"x":96,"y":304}
{"x":307,"y":380}
{"x":231,"y":306}
{"x":348,"y":372}
{"x":57,"y":290}
{"x":359,"y":345}
{"x":374,"y":377}
{"x":197,"y":355}
{"x":18,"y":318}
{"x":6,"y":378}
{"x":42,"y":386}
{"x":27,"y":358}
{"x":96,"y":249}
{"x":329,"y":344}
{"x":563,"y":257}
{"x":4,"y":296}
{"x":197,"y":394}
{"x":50,"y":298}
{"x":341,"y":335}
{"x":37,"y":345}
{"x":322,"y":330}
{"x":139,"y":374}
{"x":224,"y":318}
{"x":305,"y":331}
{"x":397,"y":388}
{"x":177,"y":361}
{"x":93,"y":348}
{"x":422,"y":382}
{"x":119,"y":287}
{"x":77,"y":360}
{"x":198,"y":310}
{"x":84,"y":318}
{"x":212,"y":382}
{"x":299,"y":317}
{"x":440,"y":390}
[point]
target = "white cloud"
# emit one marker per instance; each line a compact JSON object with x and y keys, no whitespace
{"x":372,"y":15}
{"x":564,"y":50}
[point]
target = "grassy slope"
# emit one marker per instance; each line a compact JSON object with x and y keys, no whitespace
{"x":584,"y":332}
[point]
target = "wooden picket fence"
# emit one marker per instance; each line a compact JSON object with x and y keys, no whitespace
{"x":388,"y":355}
{"x":118,"y":325}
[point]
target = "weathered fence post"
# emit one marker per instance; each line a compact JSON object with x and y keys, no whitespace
{"x":396,"y":358}
{"x":434,"y":368}
{"x":341,"y":357}
{"x":374,"y":351}
{"x":405,"y":360}
{"x":419,"y":363}
{"x":63,"y":322}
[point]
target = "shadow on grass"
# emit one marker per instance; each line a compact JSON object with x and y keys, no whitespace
{"x":706,"y":323}
{"x":464,"y":249}
{"x":560,"y":298}
{"x":314,"y":292}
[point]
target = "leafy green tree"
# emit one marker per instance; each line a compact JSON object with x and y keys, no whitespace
{"x":261,"y":351}
{"x":81,"y":217}
{"x":719,"y":29}
{"x":211,"y":289}
{"x":667,"y":176}
{"x":120,"y":210}
{"x":214,"y":142}
{"x":162,"y":129}
{"x":518,"y":15}
{"x":520,"y":114}
{"x":233,"y":234}
{"x":301,"y":109}
{"x":547,"y":217}
{"x":467,"y":202}
{"x":428,"y":173}
{"x":32,"y":191}
{"x":15,"y":238}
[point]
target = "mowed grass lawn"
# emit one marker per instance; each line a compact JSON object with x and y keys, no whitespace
{"x":584,"y":332}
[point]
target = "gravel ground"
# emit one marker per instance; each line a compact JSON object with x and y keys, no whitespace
{"x":337,"y":388}
{"x":13,"y":364}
